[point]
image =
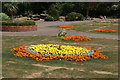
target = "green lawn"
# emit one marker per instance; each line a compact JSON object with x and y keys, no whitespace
{"x":18,"y":67}
{"x":89,"y":27}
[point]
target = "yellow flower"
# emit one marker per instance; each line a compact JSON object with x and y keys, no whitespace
{"x":57,"y":49}
{"x":105,"y":21}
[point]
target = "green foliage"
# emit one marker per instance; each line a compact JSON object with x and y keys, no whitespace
{"x":11,"y":8}
{"x":50,"y":18}
{"x":28,"y":13}
{"x":62,"y":33}
{"x":27,"y":23}
{"x":73,"y":16}
{"x":68,"y":8}
{"x":55,"y":10}
{"x":4,"y":16}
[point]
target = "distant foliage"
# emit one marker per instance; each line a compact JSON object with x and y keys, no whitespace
{"x":4,"y":16}
{"x":73,"y":16}
{"x":28,"y":13}
{"x":50,"y":18}
{"x":55,"y":10}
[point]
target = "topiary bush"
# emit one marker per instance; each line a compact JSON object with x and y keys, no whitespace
{"x":50,"y":18}
{"x":26,"y":23}
{"x":73,"y":16}
{"x":4,"y":16}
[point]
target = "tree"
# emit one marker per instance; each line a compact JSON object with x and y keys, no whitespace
{"x":11,"y":8}
{"x":67,"y":8}
{"x":90,"y":6}
{"x":39,"y":7}
{"x":55,"y":10}
{"x":24,"y":7}
{"x":108,"y":9}
{"x":118,"y":10}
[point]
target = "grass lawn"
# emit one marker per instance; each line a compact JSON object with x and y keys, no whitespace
{"x":18,"y":67}
{"x":89,"y":27}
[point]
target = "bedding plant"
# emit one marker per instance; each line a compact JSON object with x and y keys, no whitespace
{"x":53,"y":51}
{"x":75,"y":38}
{"x":66,"y":26}
{"x":105,"y":30}
{"x":105,"y":21}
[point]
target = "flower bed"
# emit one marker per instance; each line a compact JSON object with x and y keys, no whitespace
{"x":23,"y":23}
{"x":61,"y":52}
{"x":105,"y":30}
{"x":105,"y":21}
{"x":76,"y":38}
{"x":18,"y":28}
{"x":65,"y":26}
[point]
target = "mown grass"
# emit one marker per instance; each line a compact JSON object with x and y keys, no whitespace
{"x":89,"y":27}
{"x":112,"y":25}
{"x":22,"y":67}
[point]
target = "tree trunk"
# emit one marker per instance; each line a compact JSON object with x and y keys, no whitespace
{"x":12,"y":15}
{"x":87,"y":13}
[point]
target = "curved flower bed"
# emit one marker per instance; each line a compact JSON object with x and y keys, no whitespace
{"x":105,"y":30}
{"x":18,"y":28}
{"x":62,"y":52}
{"x":66,"y":26}
{"x":76,"y":38}
{"x":105,"y":21}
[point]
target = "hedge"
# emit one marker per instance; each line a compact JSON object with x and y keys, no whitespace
{"x":9,"y":23}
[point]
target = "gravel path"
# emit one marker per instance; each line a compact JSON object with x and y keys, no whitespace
{"x":44,"y":30}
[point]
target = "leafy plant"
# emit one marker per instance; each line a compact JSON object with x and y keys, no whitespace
{"x":62,"y":33}
{"x":4,"y":16}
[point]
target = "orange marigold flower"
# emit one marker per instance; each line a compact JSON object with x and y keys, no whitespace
{"x":76,"y":38}
{"x":65,"y":26}
{"x":105,"y":30}
{"x":21,"y":52}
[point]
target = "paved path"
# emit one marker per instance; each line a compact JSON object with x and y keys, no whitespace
{"x":44,"y":30}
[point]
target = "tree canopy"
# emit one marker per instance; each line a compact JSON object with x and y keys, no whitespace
{"x":92,"y":9}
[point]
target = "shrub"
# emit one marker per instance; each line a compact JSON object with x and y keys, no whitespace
{"x":73,"y":16}
{"x":50,"y":18}
{"x":4,"y":16}
{"x":26,"y":23}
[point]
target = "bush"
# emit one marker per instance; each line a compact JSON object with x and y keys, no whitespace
{"x":50,"y":18}
{"x":4,"y":16}
{"x":73,"y":16}
{"x":27,"y":23}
